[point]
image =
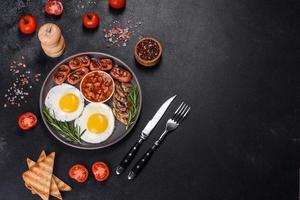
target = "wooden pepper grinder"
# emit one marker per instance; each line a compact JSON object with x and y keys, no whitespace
{"x":52,"y":41}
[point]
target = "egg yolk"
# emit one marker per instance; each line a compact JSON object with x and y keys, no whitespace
{"x":97,"y":123}
{"x":69,"y":103}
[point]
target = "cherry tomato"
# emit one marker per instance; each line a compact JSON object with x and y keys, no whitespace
{"x":117,"y":4}
{"x":54,"y":7}
{"x":27,"y":121}
{"x":27,"y":24}
{"x":90,"y":20}
{"x":79,"y":173}
{"x":100,"y":171}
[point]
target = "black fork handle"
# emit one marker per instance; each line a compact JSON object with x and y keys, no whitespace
{"x":146,"y":157}
{"x":138,"y":167}
{"x":129,"y":157}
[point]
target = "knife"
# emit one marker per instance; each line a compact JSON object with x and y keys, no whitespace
{"x":144,"y":135}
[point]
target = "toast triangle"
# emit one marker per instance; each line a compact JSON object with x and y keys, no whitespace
{"x":62,"y":186}
{"x":39,"y":176}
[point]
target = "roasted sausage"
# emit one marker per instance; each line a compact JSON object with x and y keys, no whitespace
{"x":75,"y":63}
{"x":75,"y":76}
{"x":121,"y":74}
{"x":61,"y":74}
{"x":85,"y":61}
{"x":94,"y":65}
{"x":106,"y":64}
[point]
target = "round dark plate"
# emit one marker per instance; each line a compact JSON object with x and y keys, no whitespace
{"x":120,"y":130}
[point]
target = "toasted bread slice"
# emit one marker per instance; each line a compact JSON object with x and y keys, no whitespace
{"x":54,"y":190}
{"x":39,"y":176}
{"x":29,"y":188}
{"x":62,"y":186}
{"x":44,"y":197}
{"x":42,"y":156}
{"x":30,"y":163}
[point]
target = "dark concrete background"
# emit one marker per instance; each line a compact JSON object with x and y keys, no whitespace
{"x":235,"y":62}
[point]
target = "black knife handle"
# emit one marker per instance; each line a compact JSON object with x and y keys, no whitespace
{"x":129,"y":157}
{"x":142,"y":162}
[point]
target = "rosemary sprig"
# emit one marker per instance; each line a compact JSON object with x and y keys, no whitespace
{"x":133,"y":97}
{"x":70,"y":131}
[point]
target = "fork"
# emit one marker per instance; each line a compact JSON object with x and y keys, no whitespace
{"x":171,"y":125}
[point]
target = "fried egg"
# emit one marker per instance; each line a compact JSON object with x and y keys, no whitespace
{"x":98,"y":122}
{"x":65,"y":102}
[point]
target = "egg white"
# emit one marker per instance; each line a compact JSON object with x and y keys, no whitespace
{"x":90,"y":109}
{"x":52,"y":102}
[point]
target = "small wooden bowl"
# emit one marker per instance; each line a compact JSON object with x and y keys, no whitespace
{"x":148,"y":63}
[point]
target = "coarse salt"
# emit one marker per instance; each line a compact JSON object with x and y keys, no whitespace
{"x":18,"y":89}
{"x":118,"y":35}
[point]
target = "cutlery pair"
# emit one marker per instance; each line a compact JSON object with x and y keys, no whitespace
{"x":171,"y":125}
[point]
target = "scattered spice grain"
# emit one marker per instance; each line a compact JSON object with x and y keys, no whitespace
{"x":118,"y":34}
{"x":18,"y":89}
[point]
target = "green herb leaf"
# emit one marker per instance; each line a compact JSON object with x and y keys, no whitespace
{"x":134,"y":103}
{"x":70,"y":131}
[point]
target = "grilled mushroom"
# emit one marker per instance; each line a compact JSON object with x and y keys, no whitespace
{"x":121,"y":102}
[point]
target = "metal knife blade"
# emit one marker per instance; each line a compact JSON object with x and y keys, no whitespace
{"x":160,"y":112}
